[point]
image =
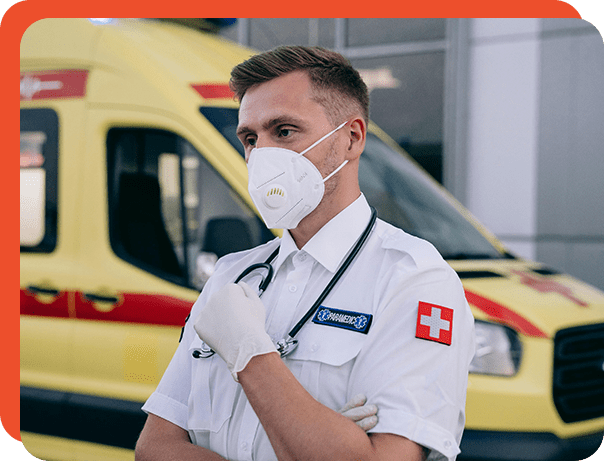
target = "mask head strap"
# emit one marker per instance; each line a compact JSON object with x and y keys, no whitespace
{"x":335,"y":171}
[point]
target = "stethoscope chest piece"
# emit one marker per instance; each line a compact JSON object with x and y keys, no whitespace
{"x":286,"y":346}
{"x":203,"y":352}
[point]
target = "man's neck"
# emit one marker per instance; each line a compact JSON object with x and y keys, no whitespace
{"x":325,"y":212}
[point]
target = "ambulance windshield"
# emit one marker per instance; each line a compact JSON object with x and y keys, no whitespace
{"x":401,"y":192}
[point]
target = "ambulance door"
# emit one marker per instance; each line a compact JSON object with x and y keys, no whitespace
{"x":45,"y":276}
{"x":48,"y":239}
{"x":165,"y":218}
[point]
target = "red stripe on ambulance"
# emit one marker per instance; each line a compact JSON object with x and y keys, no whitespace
{"x":138,"y":308}
{"x":151,"y":309}
{"x":45,"y":305}
{"x":505,"y":315}
{"x":213,"y":91}
{"x":53,"y":84}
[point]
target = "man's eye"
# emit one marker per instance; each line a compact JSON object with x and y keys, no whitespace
{"x":251,"y":141}
{"x":284,"y":132}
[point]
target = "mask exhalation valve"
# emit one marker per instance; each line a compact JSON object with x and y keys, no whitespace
{"x":275,"y":197}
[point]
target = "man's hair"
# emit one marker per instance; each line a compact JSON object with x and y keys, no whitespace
{"x":335,"y":82}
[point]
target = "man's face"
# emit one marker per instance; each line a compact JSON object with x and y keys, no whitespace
{"x":282,"y":113}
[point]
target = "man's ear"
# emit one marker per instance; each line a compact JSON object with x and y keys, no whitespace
{"x":357,"y":136}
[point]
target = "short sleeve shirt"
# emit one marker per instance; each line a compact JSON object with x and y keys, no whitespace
{"x":378,"y":332}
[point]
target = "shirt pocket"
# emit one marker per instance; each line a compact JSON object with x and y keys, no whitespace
{"x":323,"y":361}
{"x":211,"y":400}
{"x":326,"y":344}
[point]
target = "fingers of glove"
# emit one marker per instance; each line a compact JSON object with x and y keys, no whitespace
{"x":248,"y":290}
{"x":227,"y":316}
{"x":357,"y":401}
{"x":231,"y":302}
{"x":255,"y":303}
{"x":359,"y":413}
{"x":367,"y":423}
{"x":227,"y":298}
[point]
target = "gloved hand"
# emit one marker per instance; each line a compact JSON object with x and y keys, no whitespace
{"x":232,"y":323}
{"x":365,"y":416}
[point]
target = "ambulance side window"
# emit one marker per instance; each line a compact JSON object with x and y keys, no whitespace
{"x":38,"y":180}
{"x":171,"y":213}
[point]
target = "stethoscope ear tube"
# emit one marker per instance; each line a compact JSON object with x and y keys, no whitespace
{"x":265,"y":280}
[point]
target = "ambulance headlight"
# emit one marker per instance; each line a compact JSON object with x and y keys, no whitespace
{"x":498,"y":350}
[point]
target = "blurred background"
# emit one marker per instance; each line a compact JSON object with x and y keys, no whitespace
{"x":508,"y":114}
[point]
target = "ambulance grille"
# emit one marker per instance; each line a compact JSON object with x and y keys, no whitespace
{"x":579,"y":373}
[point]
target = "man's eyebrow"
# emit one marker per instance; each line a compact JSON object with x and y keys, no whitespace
{"x":243,"y":130}
{"x":281,"y":120}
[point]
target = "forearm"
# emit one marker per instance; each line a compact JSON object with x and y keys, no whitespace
{"x":161,"y":440}
{"x":181,"y":451}
{"x":297,"y":425}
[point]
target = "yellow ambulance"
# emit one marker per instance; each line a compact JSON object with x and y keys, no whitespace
{"x":133,"y":184}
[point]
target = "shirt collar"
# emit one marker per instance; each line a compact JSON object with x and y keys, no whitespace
{"x":332,"y":242}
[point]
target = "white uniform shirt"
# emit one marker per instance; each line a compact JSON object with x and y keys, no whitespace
{"x":418,"y":385}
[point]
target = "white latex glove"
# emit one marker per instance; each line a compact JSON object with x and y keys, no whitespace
{"x":232,"y":324}
{"x":365,"y":416}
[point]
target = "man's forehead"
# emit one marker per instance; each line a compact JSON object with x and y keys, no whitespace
{"x":265,"y":115}
{"x":289,"y":98}
{"x":291,"y":89}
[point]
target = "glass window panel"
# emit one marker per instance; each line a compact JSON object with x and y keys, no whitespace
{"x":38,"y":179}
{"x":169,"y":180}
{"x":326,"y":32}
{"x":271,"y":32}
{"x":267,"y":33}
{"x":407,"y":95}
{"x":378,"y":31}
{"x":32,"y":194}
{"x":144,"y":219}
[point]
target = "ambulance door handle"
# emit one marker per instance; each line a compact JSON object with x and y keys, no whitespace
{"x":101,"y":299}
{"x":42,"y":291}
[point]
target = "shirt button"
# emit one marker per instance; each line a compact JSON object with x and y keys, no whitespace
{"x":447,"y":444}
{"x":292,"y":288}
{"x":244,"y":446}
{"x":314,"y":347}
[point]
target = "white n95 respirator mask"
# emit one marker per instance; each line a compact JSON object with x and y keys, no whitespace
{"x":284,"y":185}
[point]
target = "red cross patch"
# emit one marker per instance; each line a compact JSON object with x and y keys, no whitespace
{"x":434,"y":323}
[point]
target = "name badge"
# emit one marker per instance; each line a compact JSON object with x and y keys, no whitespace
{"x":354,"y":321}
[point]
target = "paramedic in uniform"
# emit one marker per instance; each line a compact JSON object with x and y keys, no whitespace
{"x":395,"y":328}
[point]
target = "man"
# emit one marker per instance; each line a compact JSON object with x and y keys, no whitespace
{"x":396,"y":326}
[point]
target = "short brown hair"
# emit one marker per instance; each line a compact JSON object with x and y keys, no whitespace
{"x":336,"y":83}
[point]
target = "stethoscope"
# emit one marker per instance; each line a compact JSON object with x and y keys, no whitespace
{"x":288,"y":344}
